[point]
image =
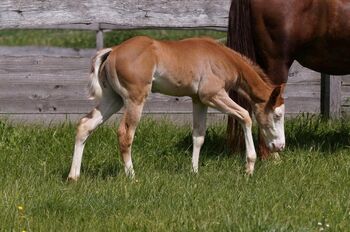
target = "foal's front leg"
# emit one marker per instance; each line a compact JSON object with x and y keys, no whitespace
{"x":225,"y":104}
{"x":249,"y":144}
{"x":198,"y":133}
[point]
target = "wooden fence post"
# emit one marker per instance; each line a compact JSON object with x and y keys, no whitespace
{"x":330,"y":96}
{"x":99,"y":39}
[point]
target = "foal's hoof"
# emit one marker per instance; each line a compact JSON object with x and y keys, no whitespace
{"x":250,"y":167}
{"x":249,"y":171}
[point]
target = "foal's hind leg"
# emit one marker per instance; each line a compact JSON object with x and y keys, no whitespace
{"x":225,"y":104}
{"x":109,"y":104}
{"x":126,"y":132}
{"x":198,"y":133}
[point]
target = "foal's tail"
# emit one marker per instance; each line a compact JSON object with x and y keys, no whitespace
{"x":95,"y":89}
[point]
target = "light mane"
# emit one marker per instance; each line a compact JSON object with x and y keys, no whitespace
{"x":259,"y":86}
{"x":257,"y":69}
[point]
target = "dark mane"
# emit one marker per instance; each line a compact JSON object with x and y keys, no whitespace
{"x":239,"y":36}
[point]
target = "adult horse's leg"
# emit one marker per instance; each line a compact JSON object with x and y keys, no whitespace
{"x":198,"y":133}
{"x":225,"y":104}
{"x":109,"y":104}
{"x":126,"y":132}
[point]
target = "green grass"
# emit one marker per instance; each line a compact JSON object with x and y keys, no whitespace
{"x":307,"y":189}
{"x":86,"y":39}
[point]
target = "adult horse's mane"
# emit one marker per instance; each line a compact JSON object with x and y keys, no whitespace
{"x":240,"y":38}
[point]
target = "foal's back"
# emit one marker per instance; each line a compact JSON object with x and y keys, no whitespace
{"x":175,"y":67}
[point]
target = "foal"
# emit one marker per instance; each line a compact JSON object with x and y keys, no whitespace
{"x":199,"y":68}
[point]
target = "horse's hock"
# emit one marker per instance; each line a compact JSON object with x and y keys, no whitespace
{"x":49,"y":84}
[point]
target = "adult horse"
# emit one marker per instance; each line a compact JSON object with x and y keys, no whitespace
{"x":203,"y":69}
{"x":274,"y":33}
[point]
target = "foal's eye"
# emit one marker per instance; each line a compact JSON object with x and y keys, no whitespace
{"x":277,"y":116}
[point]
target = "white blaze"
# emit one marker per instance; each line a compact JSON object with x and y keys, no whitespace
{"x":274,"y":132}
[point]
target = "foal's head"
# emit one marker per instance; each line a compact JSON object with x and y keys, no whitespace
{"x":270,"y":116}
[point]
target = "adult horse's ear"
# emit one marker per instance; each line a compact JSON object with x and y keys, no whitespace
{"x":275,"y":97}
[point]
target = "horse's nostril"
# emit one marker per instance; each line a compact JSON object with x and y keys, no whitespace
{"x":273,"y":145}
{"x":277,"y":146}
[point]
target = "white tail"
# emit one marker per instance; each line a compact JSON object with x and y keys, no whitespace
{"x":95,"y":90}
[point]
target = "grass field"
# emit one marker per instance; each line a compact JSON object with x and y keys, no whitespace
{"x":86,"y":39}
{"x":307,"y":190}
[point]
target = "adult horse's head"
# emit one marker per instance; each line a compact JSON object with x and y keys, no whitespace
{"x":270,"y":117}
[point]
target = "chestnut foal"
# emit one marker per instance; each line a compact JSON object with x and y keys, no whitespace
{"x":200,"y":68}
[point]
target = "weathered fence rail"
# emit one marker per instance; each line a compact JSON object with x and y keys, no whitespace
{"x":50,"y":83}
{"x":117,"y":14}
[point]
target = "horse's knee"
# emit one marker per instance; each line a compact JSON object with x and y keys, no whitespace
{"x":87,"y":124}
{"x":245,"y":119}
{"x":198,"y":141}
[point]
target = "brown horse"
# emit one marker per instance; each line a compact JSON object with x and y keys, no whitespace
{"x":200,"y":68}
{"x":274,"y":33}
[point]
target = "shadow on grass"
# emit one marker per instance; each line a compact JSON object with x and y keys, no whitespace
{"x":103,"y":171}
{"x":316,"y":133}
{"x":215,"y":143}
{"x":307,"y":132}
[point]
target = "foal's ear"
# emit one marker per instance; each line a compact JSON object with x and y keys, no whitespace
{"x":275,"y":96}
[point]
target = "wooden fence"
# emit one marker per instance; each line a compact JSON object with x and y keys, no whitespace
{"x":49,"y":84}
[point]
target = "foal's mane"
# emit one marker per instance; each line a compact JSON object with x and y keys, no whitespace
{"x":246,"y":60}
{"x":257,"y":69}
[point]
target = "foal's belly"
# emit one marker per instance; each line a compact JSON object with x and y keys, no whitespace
{"x":173,"y":86}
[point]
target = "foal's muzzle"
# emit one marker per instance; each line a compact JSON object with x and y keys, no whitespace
{"x":277,"y":146}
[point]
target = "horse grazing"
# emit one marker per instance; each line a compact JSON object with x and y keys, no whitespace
{"x":274,"y":33}
{"x":200,"y":68}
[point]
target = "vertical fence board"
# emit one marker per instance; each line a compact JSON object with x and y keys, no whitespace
{"x":99,"y":40}
{"x":330,"y":96}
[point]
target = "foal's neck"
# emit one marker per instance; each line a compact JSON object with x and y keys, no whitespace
{"x":254,"y":83}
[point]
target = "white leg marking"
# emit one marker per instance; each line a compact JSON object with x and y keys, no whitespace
{"x":86,"y":126}
{"x":198,"y":133}
{"x":250,"y":149}
{"x":129,"y":169}
{"x":225,"y":104}
{"x":108,"y":106}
